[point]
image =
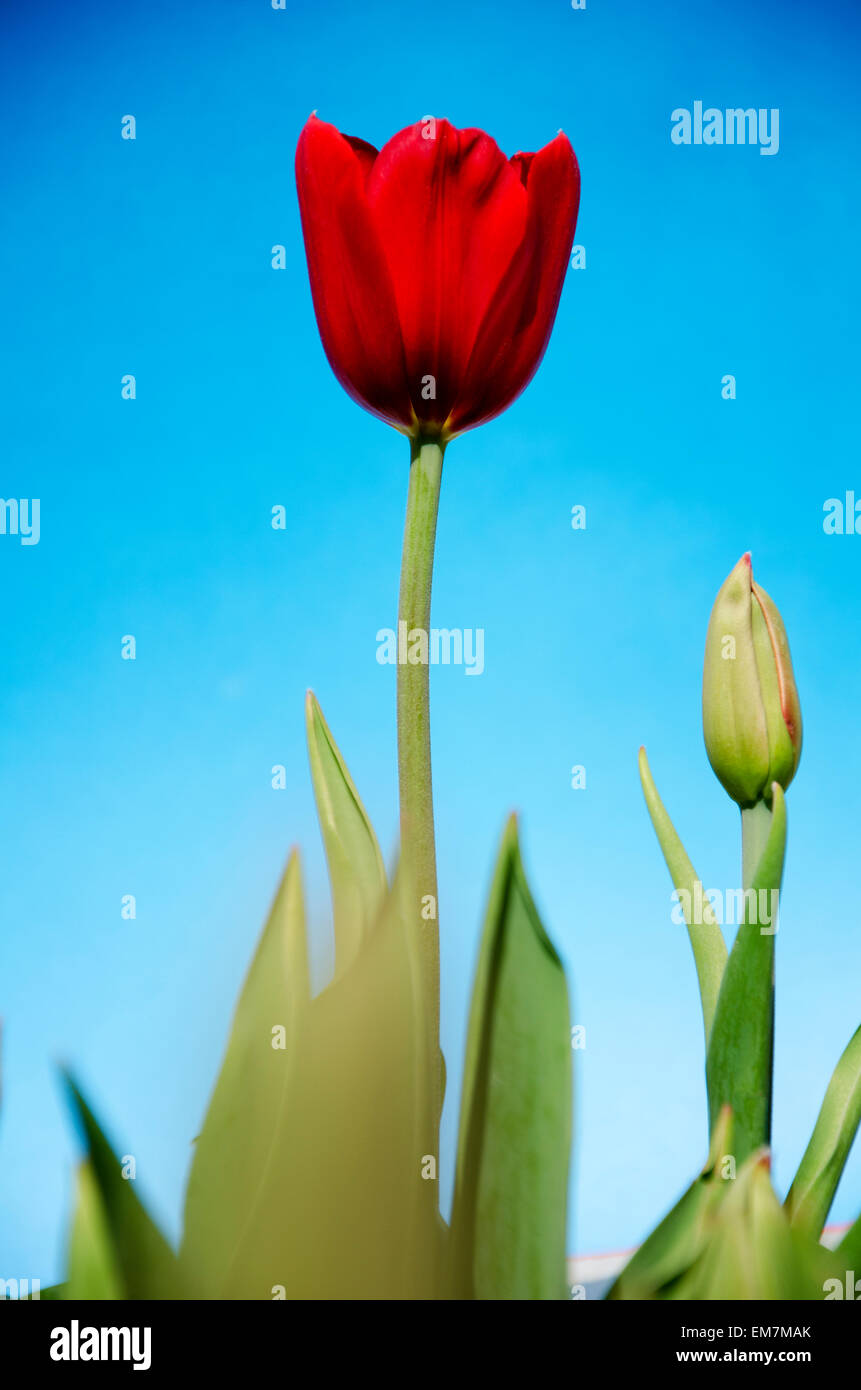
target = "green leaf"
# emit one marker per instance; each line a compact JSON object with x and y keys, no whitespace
{"x":238,"y":1143}
{"x":146,"y":1263}
{"x":815,"y":1183}
{"x":508,"y":1220}
{"x":849,"y":1249}
{"x":706,"y":937}
{"x":92,"y":1268}
{"x":55,"y":1293}
{"x":346,"y":1207}
{"x":678,"y":1241}
{"x":356,"y":871}
{"x":752,"y":1252}
{"x":739,"y":1062}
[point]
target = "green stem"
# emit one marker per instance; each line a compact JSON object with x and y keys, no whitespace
{"x":755,"y":825}
{"x":739,"y":1066}
{"x":414,"y":751}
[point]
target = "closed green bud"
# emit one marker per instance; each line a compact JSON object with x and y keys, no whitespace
{"x":751,"y":713}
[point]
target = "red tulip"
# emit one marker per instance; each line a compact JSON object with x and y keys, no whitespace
{"x":436,"y":266}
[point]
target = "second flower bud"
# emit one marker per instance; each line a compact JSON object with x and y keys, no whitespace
{"x":751,"y":711}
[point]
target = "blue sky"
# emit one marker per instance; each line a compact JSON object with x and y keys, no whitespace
{"x":152,"y":777}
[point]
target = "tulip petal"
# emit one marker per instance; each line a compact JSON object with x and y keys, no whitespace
{"x":451,"y":212}
{"x":780,"y":693}
{"x":522,"y":163}
{"x":350,"y":283}
{"x":365,"y":153}
{"x":516,"y":329}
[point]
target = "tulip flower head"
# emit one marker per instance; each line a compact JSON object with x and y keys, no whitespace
{"x":751,"y":711}
{"x":436,"y":266}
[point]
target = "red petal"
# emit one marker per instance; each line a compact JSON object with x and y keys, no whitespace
{"x":450,"y":212}
{"x":350,"y":282}
{"x":367,"y":154}
{"x":516,"y":330}
{"x":522,"y":163}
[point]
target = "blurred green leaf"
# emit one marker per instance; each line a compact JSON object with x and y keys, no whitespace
{"x":356,"y":871}
{"x":92,"y":1271}
{"x":815,"y":1183}
{"x":678,"y":1241}
{"x":238,"y":1143}
{"x":739,"y":1062}
{"x":345,"y":1205}
{"x":706,"y":937}
{"x":147,"y":1265}
{"x":508,"y":1221}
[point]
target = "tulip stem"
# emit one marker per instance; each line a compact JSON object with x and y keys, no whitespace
{"x":755,"y":1129}
{"x":755,"y":825}
{"x":414,"y":750}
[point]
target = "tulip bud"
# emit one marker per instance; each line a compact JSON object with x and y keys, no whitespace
{"x":751,"y":713}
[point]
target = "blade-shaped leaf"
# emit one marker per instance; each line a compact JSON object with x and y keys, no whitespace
{"x":815,"y":1183}
{"x":739,"y":1063}
{"x":92,"y":1268}
{"x":147,"y":1265}
{"x":752,"y":1251}
{"x":346,"y":1209}
{"x":237,"y":1145}
{"x":356,"y":871}
{"x":508,"y":1220}
{"x":678,"y":1241}
{"x":707,"y":939}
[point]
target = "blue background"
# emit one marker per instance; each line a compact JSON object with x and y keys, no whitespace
{"x":152,"y":777}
